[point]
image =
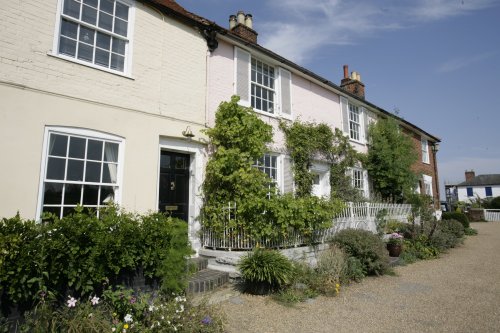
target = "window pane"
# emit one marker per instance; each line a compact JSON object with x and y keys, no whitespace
{"x":53,"y":210}
{"x":89,"y":15}
{"x":90,"y":194}
{"x":121,"y":11}
{"x":52,"y":194}
{"x":72,"y":8}
{"x":92,"y":3}
{"x":117,"y":62}
{"x":94,"y":150}
{"x":93,"y":172}
{"x":77,"y":147}
{"x":119,"y":46}
{"x":75,"y":170}
{"x":120,"y":27}
{"x":107,"y":6}
{"x":69,"y":29}
{"x":67,"y":46}
{"x":85,"y":52}
{"x":109,"y":173}
{"x":55,"y":168}
{"x":105,"y":21}
{"x":102,"y":57}
{"x":87,"y":35}
{"x":107,"y":195}
{"x":111,"y":152}
{"x":103,"y":40}
{"x":58,"y":144}
{"x":72,"y":194}
{"x":68,"y":211}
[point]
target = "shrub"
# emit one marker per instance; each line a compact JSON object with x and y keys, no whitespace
{"x":367,"y":247}
{"x":448,"y":234}
{"x":461,"y":217}
{"x":80,"y":253}
{"x":470,"y":232}
{"x":331,"y":270}
{"x":418,"y":249}
{"x":265,"y":271}
{"x":354,"y":270}
{"x":452,"y":227}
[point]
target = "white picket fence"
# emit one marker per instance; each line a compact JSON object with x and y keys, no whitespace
{"x":492,"y":215}
{"x":354,"y":216}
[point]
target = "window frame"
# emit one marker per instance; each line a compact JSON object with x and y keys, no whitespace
{"x":469,"y":191}
{"x":425,"y":151}
{"x":273,"y":90}
{"x":278,"y":182}
{"x":87,"y":134}
{"x":354,"y":110}
{"x":60,"y":16}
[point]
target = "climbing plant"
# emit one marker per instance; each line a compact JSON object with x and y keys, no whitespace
{"x":308,"y":141}
{"x":238,"y":139}
{"x":390,"y":157}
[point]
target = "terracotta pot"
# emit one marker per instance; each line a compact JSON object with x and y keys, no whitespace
{"x":394,"y":249}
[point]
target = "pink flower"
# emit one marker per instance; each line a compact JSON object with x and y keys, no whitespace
{"x":71,"y":302}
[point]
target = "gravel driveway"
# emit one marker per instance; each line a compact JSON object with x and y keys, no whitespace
{"x":459,"y":292}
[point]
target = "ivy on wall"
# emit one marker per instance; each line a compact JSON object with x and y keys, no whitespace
{"x":307,"y":142}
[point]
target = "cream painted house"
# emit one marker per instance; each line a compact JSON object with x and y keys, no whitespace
{"x":99,"y":101}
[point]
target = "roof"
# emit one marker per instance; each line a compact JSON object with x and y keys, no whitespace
{"x":482,"y":180}
{"x":172,"y":8}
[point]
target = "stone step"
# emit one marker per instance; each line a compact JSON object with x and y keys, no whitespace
{"x":207,"y":280}
{"x":198,"y":264}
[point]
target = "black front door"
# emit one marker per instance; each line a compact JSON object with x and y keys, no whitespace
{"x":174,"y":184}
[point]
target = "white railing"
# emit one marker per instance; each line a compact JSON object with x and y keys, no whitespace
{"x":491,"y":215}
{"x":354,"y":216}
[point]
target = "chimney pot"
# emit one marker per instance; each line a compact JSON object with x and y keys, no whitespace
{"x":346,"y":71}
{"x":241,"y":17}
{"x":232,"y":21}
{"x":249,"y":21}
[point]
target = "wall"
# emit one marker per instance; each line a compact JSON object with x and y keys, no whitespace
{"x":164,"y":94}
{"x":477,"y":191}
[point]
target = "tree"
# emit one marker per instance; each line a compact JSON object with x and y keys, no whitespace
{"x":390,"y":156}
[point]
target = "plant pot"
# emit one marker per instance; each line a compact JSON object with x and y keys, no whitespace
{"x":394,"y":249}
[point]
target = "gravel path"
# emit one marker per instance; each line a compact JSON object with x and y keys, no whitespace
{"x":459,"y":292}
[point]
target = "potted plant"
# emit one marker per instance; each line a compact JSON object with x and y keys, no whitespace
{"x":395,"y":244}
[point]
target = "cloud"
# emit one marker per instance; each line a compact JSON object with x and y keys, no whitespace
{"x":301,"y":28}
{"x":461,"y":62}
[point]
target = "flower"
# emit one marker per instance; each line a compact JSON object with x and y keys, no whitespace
{"x":71,"y":302}
{"x":113,"y":329}
{"x":395,"y":238}
{"x":151,"y":308}
{"x":94,"y":300}
{"x":207,"y":320}
{"x":125,"y":326}
{"x":128,"y":318}
{"x":133,"y":300}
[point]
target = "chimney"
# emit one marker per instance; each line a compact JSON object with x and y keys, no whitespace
{"x":242,"y":25}
{"x":469,"y":175}
{"x":353,"y":83}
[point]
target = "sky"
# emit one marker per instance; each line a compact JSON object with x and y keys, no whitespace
{"x":437,"y":62}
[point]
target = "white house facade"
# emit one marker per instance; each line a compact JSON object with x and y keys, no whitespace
{"x":478,"y":187}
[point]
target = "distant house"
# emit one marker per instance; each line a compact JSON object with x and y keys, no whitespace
{"x":481,"y":186}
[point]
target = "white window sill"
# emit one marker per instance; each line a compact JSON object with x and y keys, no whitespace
{"x":87,"y":64}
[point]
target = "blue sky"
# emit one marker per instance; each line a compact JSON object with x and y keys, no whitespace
{"x":436,"y":61}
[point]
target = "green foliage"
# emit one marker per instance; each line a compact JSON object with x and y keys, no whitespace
{"x":81,"y":253}
{"x":418,"y":249}
{"x":390,"y":157}
{"x":354,"y":270}
{"x":266,"y":270}
{"x":470,"y":232}
{"x":367,"y":247}
{"x":449,"y":233}
{"x":493,"y":203}
{"x":461,"y":217}
{"x":309,"y":141}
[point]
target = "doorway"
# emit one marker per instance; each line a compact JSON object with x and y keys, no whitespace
{"x":173,"y":194}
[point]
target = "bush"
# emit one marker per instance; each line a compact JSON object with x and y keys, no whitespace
{"x":418,"y":249}
{"x":461,"y":217}
{"x":470,"y":232}
{"x":367,"y":247}
{"x":80,"y":253}
{"x":265,"y":271}
{"x":448,"y":234}
{"x":451,"y":227}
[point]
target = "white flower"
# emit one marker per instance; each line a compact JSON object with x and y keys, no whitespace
{"x":94,"y":300}
{"x":71,"y":302}
{"x":151,"y":308}
{"x":113,"y":329}
{"x":128,"y":318}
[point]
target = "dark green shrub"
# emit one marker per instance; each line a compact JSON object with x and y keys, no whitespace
{"x":460,"y":217}
{"x":265,"y":271}
{"x":470,"y":232}
{"x":418,"y":249}
{"x":81,"y":253}
{"x":367,"y":247}
{"x":354,"y":270}
{"x":453,"y":227}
